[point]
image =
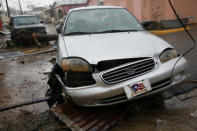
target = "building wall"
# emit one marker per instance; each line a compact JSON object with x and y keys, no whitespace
{"x":92,"y":2}
{"x":156,"y":10}
{"x":187,"y":8}
{"x":66,"y":8}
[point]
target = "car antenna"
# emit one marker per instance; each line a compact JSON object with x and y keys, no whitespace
{"x":189,"y":34}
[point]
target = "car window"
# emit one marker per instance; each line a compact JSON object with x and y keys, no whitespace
{"x":28,"y":20}
{"x":100,"y":20}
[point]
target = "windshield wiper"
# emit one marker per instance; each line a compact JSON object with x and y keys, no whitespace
{"x":107,"y":31}
{"x":111,"y":31}
{"x":77,"y":33}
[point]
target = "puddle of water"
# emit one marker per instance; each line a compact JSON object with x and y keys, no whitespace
{"x":10,"y":54}
{"x":24,"y":81}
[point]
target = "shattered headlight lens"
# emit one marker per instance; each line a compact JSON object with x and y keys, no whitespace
{"x":76,"y":65}
{"x":168,"y":55}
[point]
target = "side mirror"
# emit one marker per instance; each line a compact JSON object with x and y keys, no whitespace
{"x":10,"y":23}
{"x":151,"y":25}
{"x":41,"y":21}
{"x":58,"y":28}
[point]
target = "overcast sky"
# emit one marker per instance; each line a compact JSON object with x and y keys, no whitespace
{"x":24,"y":3}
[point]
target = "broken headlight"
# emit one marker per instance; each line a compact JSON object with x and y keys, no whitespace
{"x":78,"y":72}
{"x":76,"y":65}
{"x":168,"y":55}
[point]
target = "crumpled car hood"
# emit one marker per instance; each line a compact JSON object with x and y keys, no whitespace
{"x":110,"y":46}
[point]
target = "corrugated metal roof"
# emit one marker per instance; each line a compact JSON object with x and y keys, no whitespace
{"x":69,"y":2}
{"x":90,"y":119}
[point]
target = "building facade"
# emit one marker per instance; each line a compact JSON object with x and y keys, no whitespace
{"x":157,"y":10}
{"x":60,"y":8}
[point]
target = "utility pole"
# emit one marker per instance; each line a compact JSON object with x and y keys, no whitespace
{"x":8,"y":10}
{"x":20,"y":7}
{"x":2,"y":4}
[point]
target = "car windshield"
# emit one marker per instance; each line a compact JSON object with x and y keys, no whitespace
{"x":100,"y":21}
{"x":27,"y":20}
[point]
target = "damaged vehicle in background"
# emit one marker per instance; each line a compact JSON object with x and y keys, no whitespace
{"x":22,"y":27}
{"x":105,"y":57}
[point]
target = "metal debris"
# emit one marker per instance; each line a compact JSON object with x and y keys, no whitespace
{"x":91,"y":119}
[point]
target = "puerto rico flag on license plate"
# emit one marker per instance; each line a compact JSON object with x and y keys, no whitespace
{"x":138,"y":87}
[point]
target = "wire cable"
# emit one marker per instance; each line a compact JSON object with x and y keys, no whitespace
{"x":189,"y":34}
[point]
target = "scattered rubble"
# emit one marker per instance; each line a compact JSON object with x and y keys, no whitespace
{"x":194,"y":114}
{"x":47,"y":71}
{"x":159,"y":121}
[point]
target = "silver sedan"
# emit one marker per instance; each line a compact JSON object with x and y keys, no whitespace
{"x":105,"y":57}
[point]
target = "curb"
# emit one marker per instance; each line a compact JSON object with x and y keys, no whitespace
{"x":163,"y":32}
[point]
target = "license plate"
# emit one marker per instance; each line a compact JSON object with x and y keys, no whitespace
{"x":137,"y":88}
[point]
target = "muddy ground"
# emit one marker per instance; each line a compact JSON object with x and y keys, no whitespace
{"x":25,"y":79}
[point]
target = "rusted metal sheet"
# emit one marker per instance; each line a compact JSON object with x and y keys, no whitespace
{"x":90,"y":119}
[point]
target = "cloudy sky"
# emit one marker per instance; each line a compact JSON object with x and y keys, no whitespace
{"x":25,"y":3}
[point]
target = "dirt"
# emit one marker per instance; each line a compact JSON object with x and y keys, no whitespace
{"x":24,"y":79}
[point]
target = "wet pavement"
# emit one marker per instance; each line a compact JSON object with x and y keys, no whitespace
{"x":25,"y":79}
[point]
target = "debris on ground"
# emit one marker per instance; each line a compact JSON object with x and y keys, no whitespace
{"x":95,"y":119}
{"x":52,"y":60}
{"x":52,"y":42}
{"x":39,"y":38}
{"x":194,"y":114}
{"x":31,"y":51}
{"x":159,"y":121}
{"x":1,"y":75}
{"x":6,"y":43}
{"x":184,"y":88}
{"x":47,"y":71}
{"x":4,"y":33}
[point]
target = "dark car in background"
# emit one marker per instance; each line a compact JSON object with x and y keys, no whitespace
{"x":22,"y":27}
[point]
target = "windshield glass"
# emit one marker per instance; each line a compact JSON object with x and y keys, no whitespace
{"x":101,"y":20}
{"x":28,"y":20}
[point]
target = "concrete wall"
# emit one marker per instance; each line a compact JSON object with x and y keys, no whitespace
{"x":187,"y":8}
{"x":156,"y":10}
{"x":92,"y":2}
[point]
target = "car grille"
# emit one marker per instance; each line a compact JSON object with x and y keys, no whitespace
{"x":33,"y":30}
{"x":109,"y":64}
{"x":129,"y":71}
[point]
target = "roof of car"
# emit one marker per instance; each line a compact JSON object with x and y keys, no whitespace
{"x":95,"y":7}
{"x":22,"y":16}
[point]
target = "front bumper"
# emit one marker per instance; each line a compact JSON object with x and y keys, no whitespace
{"x":26,"y":36}
{"x":102,"y":94}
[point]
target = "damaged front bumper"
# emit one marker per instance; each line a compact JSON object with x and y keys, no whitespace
{"x":102,"y":94}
